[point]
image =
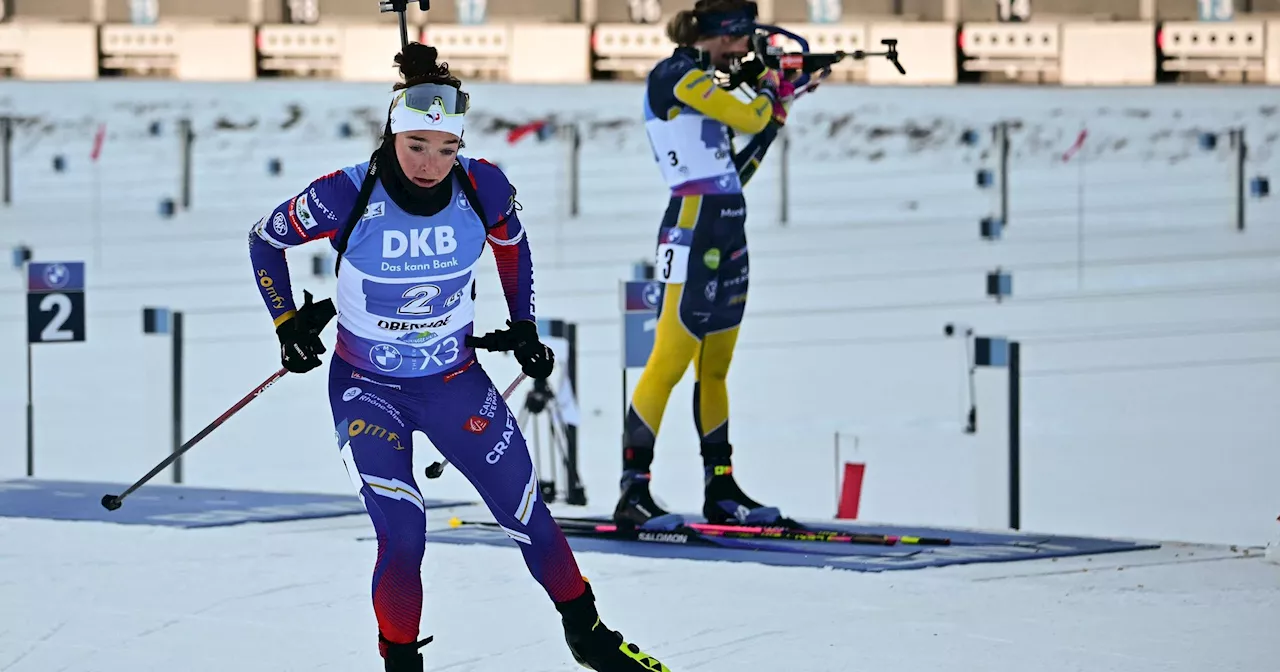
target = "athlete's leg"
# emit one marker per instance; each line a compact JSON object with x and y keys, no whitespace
{"x":711,"y":390}
{"x":724,"y":501}
{"x":683,"y":240}
{"x":727,"y":296}
{"x":377,"y":449}
{"x":472,"y":426}
{"x":469,"y":423}
{"x":674,"y":342}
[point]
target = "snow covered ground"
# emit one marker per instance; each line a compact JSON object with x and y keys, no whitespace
{"x":101,"y":597}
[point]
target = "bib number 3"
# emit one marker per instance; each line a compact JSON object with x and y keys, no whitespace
{"x":672,"y":263}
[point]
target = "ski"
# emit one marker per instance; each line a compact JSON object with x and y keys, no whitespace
{"x":707,"y":534}
{"x":603,"y":530}
{"x":788,"y":533}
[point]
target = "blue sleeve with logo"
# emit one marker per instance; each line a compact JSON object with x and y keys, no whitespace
{"x":315,"y":213}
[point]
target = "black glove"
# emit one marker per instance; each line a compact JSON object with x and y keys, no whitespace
{"x":300,"y":344}
{"x":749,"y":73}
{"x":536,"y":359}
{"x":521,"y":338}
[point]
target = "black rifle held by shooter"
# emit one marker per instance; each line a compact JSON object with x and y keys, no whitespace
{"x":806,"y":62}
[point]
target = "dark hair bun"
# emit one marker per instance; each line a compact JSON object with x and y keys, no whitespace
{"x":418,"y":61}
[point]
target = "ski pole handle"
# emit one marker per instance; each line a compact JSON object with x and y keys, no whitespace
{"x":437,"y":468}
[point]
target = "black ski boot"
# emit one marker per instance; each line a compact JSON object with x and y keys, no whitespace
{"x":636,"y":508}
{"x":725,"y":503}
{"x":402,"y":657}
{"x":595,"y":646}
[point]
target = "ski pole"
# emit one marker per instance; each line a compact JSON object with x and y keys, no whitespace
{"x":314,"y":317}
{"x":113,"y":502}
{"x":437,"y":468}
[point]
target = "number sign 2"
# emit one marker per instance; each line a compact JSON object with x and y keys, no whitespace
{"x":55,"y":302}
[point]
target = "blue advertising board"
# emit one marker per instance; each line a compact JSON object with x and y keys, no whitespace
{"x":640,"y":301}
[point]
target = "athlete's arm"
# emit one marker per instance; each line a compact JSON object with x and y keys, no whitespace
{"x":698,"y":90}
{"x":748,"y":159}
{"x":313,"y":214}
{"x":507,"y":234}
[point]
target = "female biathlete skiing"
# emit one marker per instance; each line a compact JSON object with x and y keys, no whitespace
{"x":702,"y":250}
{"x":409,"y":227}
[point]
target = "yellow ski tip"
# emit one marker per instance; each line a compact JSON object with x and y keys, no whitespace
{"x":455,"y":522}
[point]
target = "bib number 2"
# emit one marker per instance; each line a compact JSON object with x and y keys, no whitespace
{"x":420,"y":297}
{"x":672,"y":263}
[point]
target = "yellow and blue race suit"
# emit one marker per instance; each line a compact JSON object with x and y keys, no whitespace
{"x":701,"y":256}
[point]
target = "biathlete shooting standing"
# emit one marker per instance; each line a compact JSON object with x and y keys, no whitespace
{"x":409,"y":226}
{"x":701,"y":250}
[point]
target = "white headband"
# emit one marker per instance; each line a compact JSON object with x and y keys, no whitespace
{"x":434,"y":118}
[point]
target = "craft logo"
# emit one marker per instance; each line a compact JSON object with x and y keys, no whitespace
{"x":501,"y":446}
{"x":315,"y":199}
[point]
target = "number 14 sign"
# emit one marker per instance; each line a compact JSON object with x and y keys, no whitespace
{"x":55,"y":302}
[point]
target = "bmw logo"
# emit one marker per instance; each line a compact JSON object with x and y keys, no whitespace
{"x":652,"y":294}
{"x":56,"y":276}
{"x":385,"y":357}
